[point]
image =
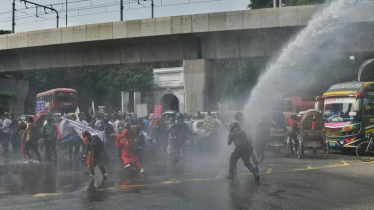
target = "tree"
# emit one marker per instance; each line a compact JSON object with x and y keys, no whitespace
{"x":242,"y":77}
{"x":100,"y":85}
{"x":5,"y":32}
{"x":258,"y":4}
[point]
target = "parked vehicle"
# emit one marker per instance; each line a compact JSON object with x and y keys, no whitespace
{"x":312,"y":134}
{"x":348,"y":114}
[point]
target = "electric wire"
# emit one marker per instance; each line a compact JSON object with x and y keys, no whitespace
{"x":96,"y":7}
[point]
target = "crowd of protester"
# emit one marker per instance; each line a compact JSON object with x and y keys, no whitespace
{"x":128,"y":140}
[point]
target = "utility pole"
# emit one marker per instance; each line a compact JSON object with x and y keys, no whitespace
{"x":66,"y":16}
{"x":153,"y":9}
{"x":13,"y":16}
{"x":45,"y":7}
{"x":121,"y":10}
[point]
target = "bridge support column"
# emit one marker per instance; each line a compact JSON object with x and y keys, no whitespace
{"x":21,"y":89}
{"x":125,"y":99}
{"x":197,"y":77}
{"x":137,"y":101}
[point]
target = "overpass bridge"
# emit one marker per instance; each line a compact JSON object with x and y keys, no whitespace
{"x":225,"y":35}
{"x":198,"y":40}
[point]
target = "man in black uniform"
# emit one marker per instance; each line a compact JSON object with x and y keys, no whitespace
{"x":243,"y":149}
{"x":179,"y":132}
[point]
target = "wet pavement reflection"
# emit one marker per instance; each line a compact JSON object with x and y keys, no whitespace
{"x":196,"y":183}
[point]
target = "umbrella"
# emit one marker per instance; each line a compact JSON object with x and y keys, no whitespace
{"x":39,"y":118}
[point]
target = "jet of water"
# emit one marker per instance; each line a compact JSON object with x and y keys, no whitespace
{"x":315,"y":48}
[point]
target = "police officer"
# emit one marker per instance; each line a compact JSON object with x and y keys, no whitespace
{"x":239,"y":119}
{"x":179,"y":132}
{"x":243,"y":149}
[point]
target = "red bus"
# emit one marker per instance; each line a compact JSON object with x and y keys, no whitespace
{"x":60,"y":100}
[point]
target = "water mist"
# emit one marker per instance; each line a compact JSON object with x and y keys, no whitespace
{"x":304,"y":61}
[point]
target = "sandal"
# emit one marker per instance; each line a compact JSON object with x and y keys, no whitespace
{"x":91,"y":175}
{"x":105,"y":176}
{"x":31,"y":160}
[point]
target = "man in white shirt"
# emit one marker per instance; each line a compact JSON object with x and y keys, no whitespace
{"x":81,"y":120}
{"x":6,"y":132}
{"x":99,"y":123}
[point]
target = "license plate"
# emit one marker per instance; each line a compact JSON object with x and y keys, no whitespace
{"x":332,"y":144}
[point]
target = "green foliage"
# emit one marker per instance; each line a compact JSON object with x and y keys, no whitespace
{"x":258,"y":4}
{"x":7,"y":94}
{"x":5,"y":32}
{"x":103,"y":86}
{"x":4,"y":96}
{"x":243,"y":76}
{"x":301,"y":2}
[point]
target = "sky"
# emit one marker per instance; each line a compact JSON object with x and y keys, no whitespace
{"x":81,"y":12}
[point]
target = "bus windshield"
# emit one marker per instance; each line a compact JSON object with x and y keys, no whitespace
{"x":70,"y":97}
{"x":339,"y":109}
{"x":60,"y":97}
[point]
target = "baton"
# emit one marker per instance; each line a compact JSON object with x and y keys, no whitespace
{"x":222,"y":123}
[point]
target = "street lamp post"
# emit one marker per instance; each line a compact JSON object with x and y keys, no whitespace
{"x":362,"y":67}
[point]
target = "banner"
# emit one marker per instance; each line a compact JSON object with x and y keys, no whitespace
{"x":209,"y":123}
{"x":223,"y":108}
{"x":79,"y":129}
{"x":40,"y":106}
{"x":141,"y":110}
{"x":157,"y":111}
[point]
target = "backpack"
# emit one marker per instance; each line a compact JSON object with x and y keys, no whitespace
{"x":35,"y":135}
{"x":97,"y":144}
{"x":50,"y":132}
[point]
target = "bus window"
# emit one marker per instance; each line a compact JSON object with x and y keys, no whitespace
{"x":70,"y":97}
{"x":60,"y":97}
{"x":368,"y":107}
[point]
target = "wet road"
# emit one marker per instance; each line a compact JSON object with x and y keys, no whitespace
{"x":341,"y":182}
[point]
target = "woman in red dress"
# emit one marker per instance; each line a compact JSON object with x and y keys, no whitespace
{"x":129,"y":157}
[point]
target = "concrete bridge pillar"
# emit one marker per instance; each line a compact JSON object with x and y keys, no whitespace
{"x":21,"y":89}
{"x":197,"y":77}
{"x":125,"y":99}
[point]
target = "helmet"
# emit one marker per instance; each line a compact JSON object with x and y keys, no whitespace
{"x":127,"y":126}
{"x":180,"y":117}
{"x":234,"y":126}
{"x":238,"y":116}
